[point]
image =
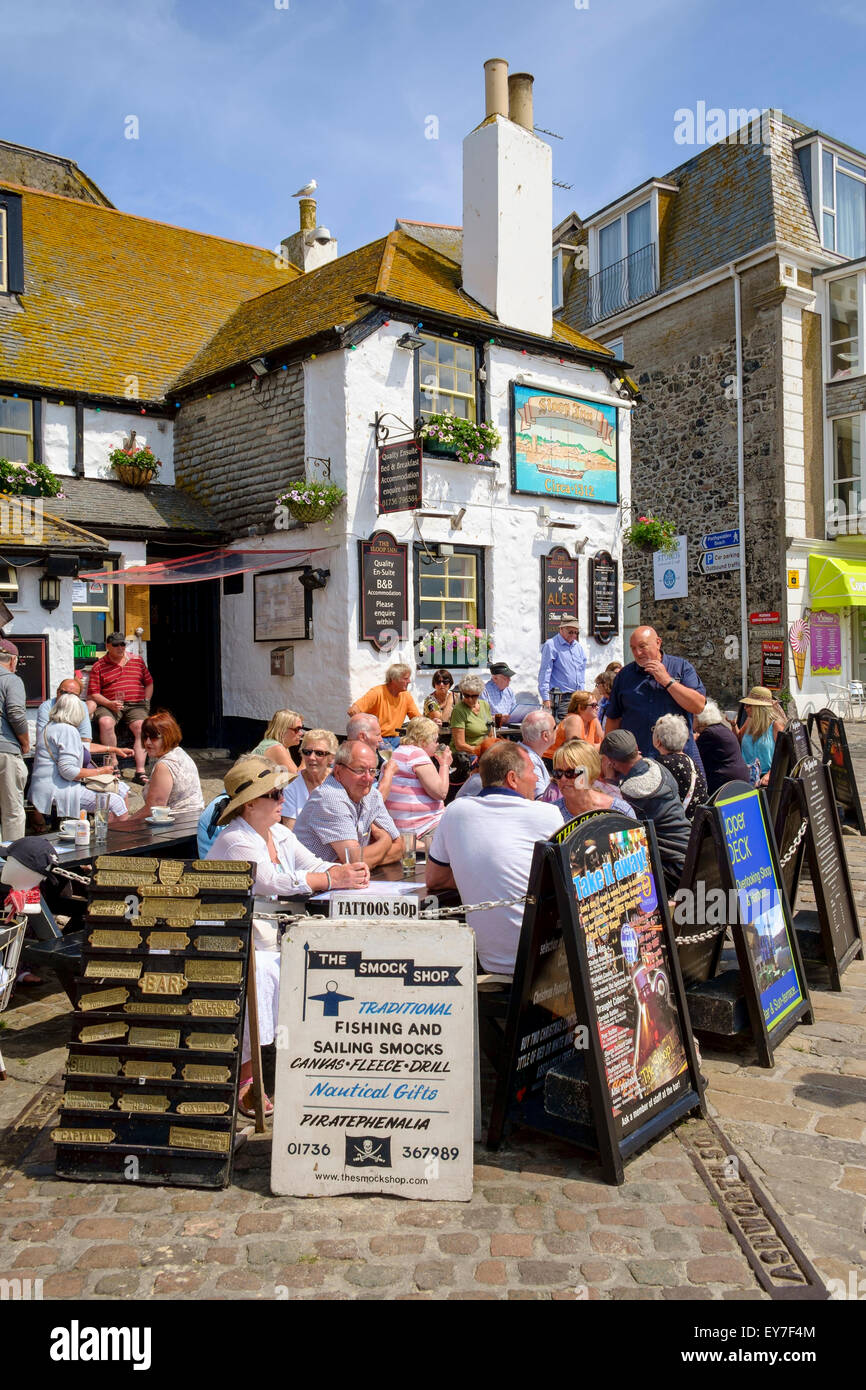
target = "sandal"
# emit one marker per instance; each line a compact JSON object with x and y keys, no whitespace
{"x":26,"y":977}
{"x":141,"y":779}
{"x":247,"y":1109}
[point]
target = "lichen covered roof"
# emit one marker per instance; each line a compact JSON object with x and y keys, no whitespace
{"x":98,"y":502}
{"x":115,"y":305}
{"x":24,"y":526}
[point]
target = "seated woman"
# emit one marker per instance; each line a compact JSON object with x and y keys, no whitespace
{"x":283,"y":868}
{"x":412,"y":786}
{"x":719,"y":749}
{"x":174,"y":781}
{"x":670,"y":736}
{"x":58,"y":770}
{"x":471,"y":717}
{"x":318,"y":749}
{"x":283,"y":732}
{"x":580,"y":722}
{"x":760,"y":731}
{"x":577,"y":774}
{"x":440,"y":703}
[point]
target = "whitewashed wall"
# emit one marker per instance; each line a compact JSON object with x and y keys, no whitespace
{"x":104,"y":430}
{"x":343,"y":392}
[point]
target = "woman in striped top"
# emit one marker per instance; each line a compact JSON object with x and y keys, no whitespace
{"x":411,"y":785}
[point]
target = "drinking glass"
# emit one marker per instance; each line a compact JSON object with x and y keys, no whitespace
{"x":407,"y":859}
{"x":100,"y":818}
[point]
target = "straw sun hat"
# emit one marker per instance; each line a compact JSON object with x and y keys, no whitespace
{"x":251,"y":777}
{"x":759,"y":695}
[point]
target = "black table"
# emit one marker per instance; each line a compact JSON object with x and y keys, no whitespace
{"x":176,"y":841}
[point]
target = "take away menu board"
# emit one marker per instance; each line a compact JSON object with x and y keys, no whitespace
{"x":374,"y":1083}
{"x":150,"y":1085}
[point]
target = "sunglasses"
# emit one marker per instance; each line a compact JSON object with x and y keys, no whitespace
{"x":593,"y":704}
{"x":441,"y":682}
{"x":275,"y":795}
{"x":571,"y":774}
{"x":315,"y":753}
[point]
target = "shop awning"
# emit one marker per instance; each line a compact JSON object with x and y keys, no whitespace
{"x":209,"y":564}
{"x":836,"y":583}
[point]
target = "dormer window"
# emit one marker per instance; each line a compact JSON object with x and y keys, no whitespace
{"x":624,"y":252}
{"x":836,"y":184}
{"x":11,"y":247}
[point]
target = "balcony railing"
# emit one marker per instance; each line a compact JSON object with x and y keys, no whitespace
{"x":625,"y":282}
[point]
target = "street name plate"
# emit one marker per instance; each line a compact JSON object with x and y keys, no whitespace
{"x":373,"y":1089}
{"x":218,"y":1142}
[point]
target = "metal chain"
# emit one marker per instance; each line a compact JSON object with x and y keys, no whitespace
{"x":792,"y":849}
{"x":67,"y":873}
{"x":701,"y":936}
{"x":286,"y":919}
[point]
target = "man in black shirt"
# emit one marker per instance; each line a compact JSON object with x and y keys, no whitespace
{"x":652,"y":793}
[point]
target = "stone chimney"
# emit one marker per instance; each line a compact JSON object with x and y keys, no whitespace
{"x":313,"y":245}
{"x":508,"y":207}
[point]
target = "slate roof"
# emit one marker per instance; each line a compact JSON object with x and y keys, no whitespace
{"x":108,"y":296}
{"x":116,"y":507}
{"x":401,"y":266}
{"x":50,"y":532}
{"x":732,"y":199}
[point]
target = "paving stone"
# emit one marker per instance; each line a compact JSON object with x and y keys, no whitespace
{"x":505,"y":1245}
{"x":373,"y":1276}
{"x":655,"y":1272}
{"x":37,"y":1256}
{"x":256,"y":1222}
{"x":433,"y":1274}
{"x":177,"y":1284}
{"x":684,"y":1293}
{"x":673,"y":1242}
{"x":544,"y":1272}
{"x":622,"y":1216}
{"x":458,"y":1243}
{"x":716,"y":1242}
{"x":693,"y":1214}
{"x":393,"y":1244}
{"x":483,"y":1218}
{"x":144,"y":1200}
{"x":268,"y":1252}
{"x":221,"y":1255}
{"x":240,"y":1281}
{"x":612,"y":1243}
{"x":36,"y":1230}
{"x":65,"y":1285}
{"x":569,"y":1220}
{"x":845,"y":1209}
{"x":840,"y":1126}
{"x":336,"y":1249}
{"x":854,"y":1180}
{"x":102,"y":1228}
{"x":491,"y":1272}
{"x":715,"y":1269}
{"x":108,"y":1257}
{"x":119,"y":1285}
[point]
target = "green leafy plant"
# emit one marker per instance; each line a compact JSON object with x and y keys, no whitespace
{"x":651,"y":533}
{"x":458,"y":646}
{"x":142,"y":460}
{"x":31,"y":478}
{"x":311,"y":501}
{"x":471,"y":443}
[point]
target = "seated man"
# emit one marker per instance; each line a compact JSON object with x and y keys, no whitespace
{"x":391,"y":702}
{"x":345,"y":819}
{"x":120,"y":688}
{"x":538,"y":732}
{"x":366,"y":727}
{"x":72,"y":686}
{"x":653,"y":794}
{"x":484,"y":844}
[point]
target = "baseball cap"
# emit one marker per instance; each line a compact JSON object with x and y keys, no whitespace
{"x":8,"y":647}
{"x":35,"y":853}
{"x":500,"y":668}
{"x":618,"y":745}
{"x":115,"y":639}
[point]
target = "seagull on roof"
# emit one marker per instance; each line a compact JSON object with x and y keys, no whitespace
{"x":307,"y":189}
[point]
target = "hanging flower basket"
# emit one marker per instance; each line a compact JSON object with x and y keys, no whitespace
{"x":309,"y":502}
{"x":650,"y":533}
{"x":135,"y":477}
{"x":135,"y":467}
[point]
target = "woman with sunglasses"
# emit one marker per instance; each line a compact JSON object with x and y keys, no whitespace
{"x":283,"y":869}
{"x":471,"y":718}
{"x":174,"y":781}
{"x":318,"y":748}
{"x":282,"y":734}
{"x":439,"y":705}
{"x":577,"y":774}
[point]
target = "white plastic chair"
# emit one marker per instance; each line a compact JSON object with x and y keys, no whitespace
{"x":850,"y":698}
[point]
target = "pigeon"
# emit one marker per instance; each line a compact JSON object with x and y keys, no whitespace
{"x":307,"y":190}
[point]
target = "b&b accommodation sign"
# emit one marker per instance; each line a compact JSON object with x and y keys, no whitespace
{"x":384,"y":592}
{"x":374,"y":1048}
{"x":400,"y":483}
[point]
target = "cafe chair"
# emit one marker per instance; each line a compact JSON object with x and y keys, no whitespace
{"x":851,"y":697}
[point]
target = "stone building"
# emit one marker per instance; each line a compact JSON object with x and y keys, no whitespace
{"x":735,"y":285}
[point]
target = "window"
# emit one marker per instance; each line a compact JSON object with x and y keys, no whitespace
{"x":447,"y":378}
{"x":626,"y":262}
{"x":94,"y":614}
{"x":843,"y":205}
{"x":616,"y":347}
{"x":557,"y":281}
{"x":843,"y":335}
{"x":4,"y":273}
{"x":16,"y":430}
{"x":846,"y":463}
{"x":11,"y":244}
{"x":449,"y":589}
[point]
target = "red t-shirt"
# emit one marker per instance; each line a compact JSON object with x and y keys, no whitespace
{"x":120,"y":681}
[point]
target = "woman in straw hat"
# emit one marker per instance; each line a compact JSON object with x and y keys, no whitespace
{"x":283,"y":869}
{"x":758,"y":734}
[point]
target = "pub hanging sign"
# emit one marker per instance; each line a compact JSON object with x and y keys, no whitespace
{"x":400,"y":480}
{"x":603,"y":597}
{"x":384,"y":589}
{"x":558,"y":590}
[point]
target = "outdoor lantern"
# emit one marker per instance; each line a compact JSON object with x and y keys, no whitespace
{"x":49,"y":591}
{"x":314,"y":578}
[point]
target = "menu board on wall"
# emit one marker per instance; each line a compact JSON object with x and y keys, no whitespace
{"x":603,"y":596}
{"x":282,"y":607}
{"x":558,"y":590}
{"x":384,"y":589}
{"x":772,"y":665}
{"x":825,"y":654}
{"x":33,"y":666}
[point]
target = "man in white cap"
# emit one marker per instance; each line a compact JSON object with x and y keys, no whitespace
{"x":563,"y":666}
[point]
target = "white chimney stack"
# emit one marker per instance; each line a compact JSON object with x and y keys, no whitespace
{"x":508,"y":207}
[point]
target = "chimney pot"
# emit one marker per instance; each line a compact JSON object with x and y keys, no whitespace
{"x":308,"y":214}
{"x":520,"y":99}
{"x":496,"y":87}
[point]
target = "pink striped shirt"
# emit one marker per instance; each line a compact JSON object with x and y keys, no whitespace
{"x":409,"y":805}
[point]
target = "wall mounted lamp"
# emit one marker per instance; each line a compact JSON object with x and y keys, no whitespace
{"x":49,"y":592}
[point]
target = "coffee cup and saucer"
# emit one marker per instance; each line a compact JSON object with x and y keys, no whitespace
{"x":160,"y":815}
{"x":67,"y":829}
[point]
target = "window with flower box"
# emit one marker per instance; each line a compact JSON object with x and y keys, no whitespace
{"x":449,"y":599}
{"x":16,"y":429}
{"x":446,"y":378}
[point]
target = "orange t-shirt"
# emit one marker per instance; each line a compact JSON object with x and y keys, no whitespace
{"x":390,"y":710}
{"x":594,"y":735}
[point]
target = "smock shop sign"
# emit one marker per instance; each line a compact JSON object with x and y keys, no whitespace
{"x":374,"y":1046}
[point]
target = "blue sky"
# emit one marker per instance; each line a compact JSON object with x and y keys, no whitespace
{"x":240,"y":102}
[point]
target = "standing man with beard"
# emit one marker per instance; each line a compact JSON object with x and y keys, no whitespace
{"x":651,"y":685}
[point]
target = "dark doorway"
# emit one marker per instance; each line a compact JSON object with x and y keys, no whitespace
{"x":183,"y":655}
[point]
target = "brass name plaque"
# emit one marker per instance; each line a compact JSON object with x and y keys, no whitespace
{"x":87,"y":1100}
{"x":175,"y":890}
{"x":181,"y":913}
{"x":152,"y":983}
{"x":88,"y":1065}
{"x":219,"y":943}
{"x":212,"y":1008}
{"x":82,"y":1136}
{"x":170,"y":870}
{"x":127,"y":864}
{"x":102,"y":1032}
{"x":221,"y":912}
{"x":233,"y":883}
{"x":154,"y":1037}
{"x":214,"y":972}
{"x":194,"y":1071}
{"x":147,"y":1006}
{"x":168,"y":941}
{"x":128,"y":878}
{"x":211,"y":1042}
{"x":222,"y":866}
{"x":152,"y":1071}
{"x":112,"y":970}
{"x":107,"y":907}
{"x":115,"y":940}
{"x":144,"y":1104}
{"x":103,"y":999}
{"x":203,"y":1108}
{"x":199,"y":1139}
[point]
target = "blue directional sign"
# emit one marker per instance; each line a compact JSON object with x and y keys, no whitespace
{"x":720,"y":538}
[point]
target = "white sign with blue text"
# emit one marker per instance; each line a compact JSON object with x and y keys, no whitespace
{"x":375,"y":1046}
{"x":670,"y":574}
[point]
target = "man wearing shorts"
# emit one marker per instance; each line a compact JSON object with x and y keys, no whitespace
{"x":120,"y":688}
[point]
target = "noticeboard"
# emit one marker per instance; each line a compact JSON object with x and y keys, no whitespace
{"x":773,"y":665}
{"x":374,"y":1047}
{"x":282,"y":607}
{"x":33,"y":666}
{"x":603,"y":597}
{"x":598,"y":993}
{"x":383,"y":587}
{"x":792,"y":744}
{"x":558,"y":590}
{"x":701,"y":901}
{"x":837,"y":756}
{"x":400,"y":477}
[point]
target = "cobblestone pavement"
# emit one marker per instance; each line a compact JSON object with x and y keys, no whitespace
{"x":541,"y":1223}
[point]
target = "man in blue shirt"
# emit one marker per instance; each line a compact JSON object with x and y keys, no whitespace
{"x":500,"y":699}
{"x":563,"y":666}
{"x":651,"y":685}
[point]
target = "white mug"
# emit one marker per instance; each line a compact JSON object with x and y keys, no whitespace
{"x":67,"y":829}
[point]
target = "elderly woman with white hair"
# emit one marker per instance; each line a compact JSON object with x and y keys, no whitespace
{"x":719,"y":749}
{"x":58,"y":765}
{"x":471,"y":717}
{"x":670,"y":735}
